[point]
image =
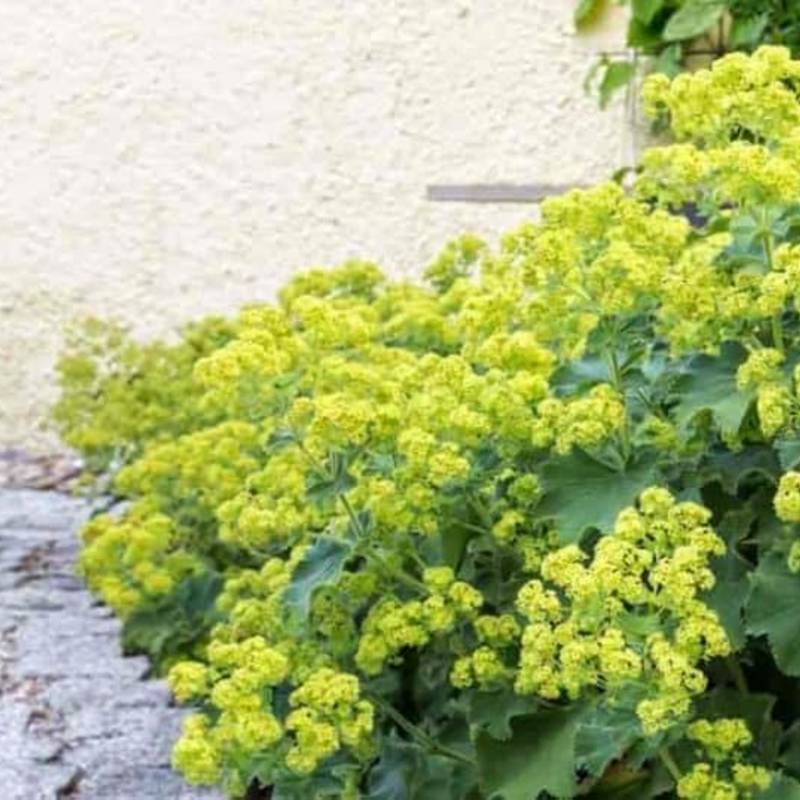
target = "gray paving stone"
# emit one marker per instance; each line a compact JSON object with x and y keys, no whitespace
{"x":77,"y":719}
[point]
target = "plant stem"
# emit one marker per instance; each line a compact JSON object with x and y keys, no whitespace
{"x":417,"y":732}
{"x":669,"y":762}
{"x":777,"y":332}
{"x":399,"y":574}
{"x":616,"y":378}
{"x":775,"y":322}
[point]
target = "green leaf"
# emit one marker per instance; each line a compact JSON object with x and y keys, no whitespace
{"x":279,"y":439}
{"x":643,"y":37}
{"x":645,"y":10}
{"x":782,"y":788}
{"x":773,"y":610}
{"x":788,"y":453}
{"x":587,"y":12}
{"x":748,"y":31}
{"x":790,"y":749}
{"x":732,"y":467}
{"x":709,"y":384}
{"x":731,"y":571}
{"x":604,"y":736}
{"x":337,"y":481}
{"x":406,"y":772}
{"x":581,"y":493}
{"x":669,"y":61}
{"x":176,"y":622}
{"x":493,"y":711}
{"x":616,"y":75}
{"x":693,"y":18}
{"x":321,"y":565}
{"x":539,"y":757}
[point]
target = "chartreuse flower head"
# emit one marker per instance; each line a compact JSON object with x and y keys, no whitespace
{"x":581,"y":635}
{"x":722,"y":741}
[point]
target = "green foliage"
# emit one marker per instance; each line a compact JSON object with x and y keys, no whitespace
{"x":539,"y":756}
{"x":669,"y":36}
{"x":772,"y":610}
{"x":527,"y":530}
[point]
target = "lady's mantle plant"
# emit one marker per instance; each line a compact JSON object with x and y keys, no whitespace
{"x":529,"y":530}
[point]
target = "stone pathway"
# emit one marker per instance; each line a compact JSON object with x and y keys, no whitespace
{"x":76,"y":719}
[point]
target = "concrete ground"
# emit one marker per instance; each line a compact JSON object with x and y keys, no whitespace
{"x":77,"y":720}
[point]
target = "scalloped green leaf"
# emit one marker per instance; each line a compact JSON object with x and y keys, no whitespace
{"x":709,"y":384}
{"x":407,"y":772}
{"x":604,"y":735}
{"x":538,"y":757}
{"x":494,"y":711}
{"x":581,"y":493}
{"x":729,"y":593}
{"x":320,"y":566}
{"x":773,"y":610}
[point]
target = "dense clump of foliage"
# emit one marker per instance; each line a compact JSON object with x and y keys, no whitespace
{"x":529,"y":530}
{"x":668,"y":36}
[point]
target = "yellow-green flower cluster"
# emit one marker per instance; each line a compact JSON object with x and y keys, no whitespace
{"x":118,"y":395}
{"x":328,"y":713}
{"x":586,"y":421}
{"x":392,"y":626}
{"x":581,"y":634}
{"x":237,"y":683}
{"x":738,"y":93}
{"x":726,"y":777}
{"x":205,"y":467}
{"x":787,"y":509}
{"x":137,"y":558}
{"x":787,"y":498}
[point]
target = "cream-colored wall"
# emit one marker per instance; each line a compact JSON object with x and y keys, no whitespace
{"x":162,"y":159}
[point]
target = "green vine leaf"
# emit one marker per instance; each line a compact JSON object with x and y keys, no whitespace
{"x":581,"y":493}
{"x":772,"y":610}
{"x":538,"y":757}
{"x":587,"y":12}
{"x":616,"y":75}
{"x":645,"y":10}
{"x":709,"y":384}
{"x":749,"y":31}
{"x":693,"y":19}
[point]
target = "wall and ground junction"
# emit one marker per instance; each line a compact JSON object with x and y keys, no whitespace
{"x":165,"y":160}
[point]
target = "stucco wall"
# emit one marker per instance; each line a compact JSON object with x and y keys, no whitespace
{"x":161,"y":160}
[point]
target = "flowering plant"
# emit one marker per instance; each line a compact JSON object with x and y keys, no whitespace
{"x":529,"y":530}
{"x":673,"y":35}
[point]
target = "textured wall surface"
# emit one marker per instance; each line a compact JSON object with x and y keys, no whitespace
{"x":161,"y":160}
